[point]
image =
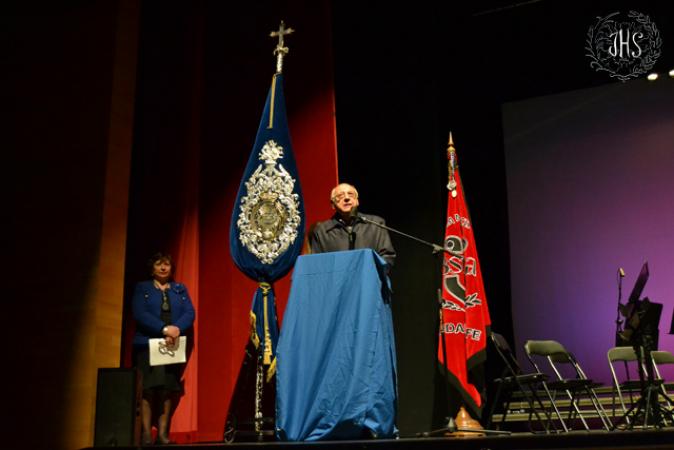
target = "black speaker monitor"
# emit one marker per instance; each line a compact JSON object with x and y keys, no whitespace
{"x":117,"y":420}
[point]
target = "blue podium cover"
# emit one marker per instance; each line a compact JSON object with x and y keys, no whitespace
{"x":336,"y":362}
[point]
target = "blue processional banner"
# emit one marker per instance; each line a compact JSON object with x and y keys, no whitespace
{"x":267,"y":227}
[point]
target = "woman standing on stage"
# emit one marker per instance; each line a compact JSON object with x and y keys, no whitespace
{"x":161,"y":308}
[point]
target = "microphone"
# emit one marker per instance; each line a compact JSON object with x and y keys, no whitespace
{"x":621,"y":272}
{"x":357,"y":217}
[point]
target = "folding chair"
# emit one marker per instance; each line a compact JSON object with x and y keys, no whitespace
{"x":513,"y":380}
{"x":661,"y":358}
{"x":646,"y":410}
{"x":561,"y":362}
{"x":625,"y":380}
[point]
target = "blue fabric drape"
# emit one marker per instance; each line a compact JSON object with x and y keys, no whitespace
{"x":336,"y":362}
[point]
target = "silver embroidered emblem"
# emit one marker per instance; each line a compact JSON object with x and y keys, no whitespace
{"x":270,"y":215}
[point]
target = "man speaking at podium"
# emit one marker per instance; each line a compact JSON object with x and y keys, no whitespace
{"x":347,"y":231}
{"x":331,"y":292}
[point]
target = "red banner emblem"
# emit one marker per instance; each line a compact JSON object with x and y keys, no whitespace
{"x":464,"y":314}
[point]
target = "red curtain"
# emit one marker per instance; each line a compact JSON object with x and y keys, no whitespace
{"x":192,"y":144}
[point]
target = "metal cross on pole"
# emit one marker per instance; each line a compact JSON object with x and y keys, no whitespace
{"x":280,"y":51}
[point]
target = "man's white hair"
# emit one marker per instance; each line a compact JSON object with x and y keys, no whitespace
{"x":334,"y":189}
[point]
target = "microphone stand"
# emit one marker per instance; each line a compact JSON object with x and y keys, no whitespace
{"x":451,"y":424}
{"x":618,"y":322}
{"x":436,"y":248}
{"x":453,"y":428}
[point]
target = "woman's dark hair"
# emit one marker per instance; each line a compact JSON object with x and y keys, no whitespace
{"x":160,"y":256}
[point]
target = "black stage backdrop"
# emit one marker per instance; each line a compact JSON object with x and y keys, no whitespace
{"x":407,"y":75}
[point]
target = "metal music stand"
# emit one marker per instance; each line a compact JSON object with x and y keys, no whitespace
{"x":627,"y":310}
{"x":641,"y":332}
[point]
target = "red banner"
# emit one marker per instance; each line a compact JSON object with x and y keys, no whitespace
{"x":464,"y":314}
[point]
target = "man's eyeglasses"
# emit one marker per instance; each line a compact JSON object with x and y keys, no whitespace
{"x":342,"y":195}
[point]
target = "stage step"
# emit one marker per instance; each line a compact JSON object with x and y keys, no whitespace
{"x":519,"y":409}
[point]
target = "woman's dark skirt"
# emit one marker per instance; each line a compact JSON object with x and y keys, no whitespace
{"x":165,"y":377}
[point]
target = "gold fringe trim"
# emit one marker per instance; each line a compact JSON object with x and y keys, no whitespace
{"x":254,"y":338}
{"x":271,"y":371}
{"x":267,"y":356}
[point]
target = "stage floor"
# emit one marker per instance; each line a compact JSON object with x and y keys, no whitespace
{"x":635,"y":439}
